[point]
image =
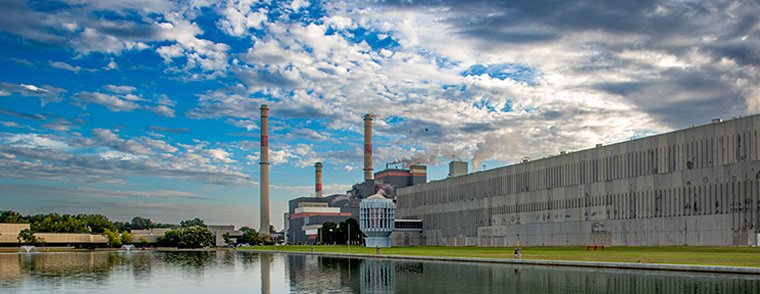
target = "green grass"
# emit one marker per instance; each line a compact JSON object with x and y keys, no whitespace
{"x":724,"y":256}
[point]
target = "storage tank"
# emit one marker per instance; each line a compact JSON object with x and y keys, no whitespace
{"x":377,"y":219}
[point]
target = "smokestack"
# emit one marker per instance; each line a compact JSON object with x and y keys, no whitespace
{"x":368,"y":146}
{"x":318,"y":183}
{"x":264,"y":221}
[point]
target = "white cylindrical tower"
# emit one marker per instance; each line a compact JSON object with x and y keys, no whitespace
{"x":377,"y":219}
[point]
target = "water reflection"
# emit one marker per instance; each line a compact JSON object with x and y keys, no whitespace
{"x":378,"y":276}
{"x":233,"y":272}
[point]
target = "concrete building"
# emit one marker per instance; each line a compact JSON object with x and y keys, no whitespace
{"x":307,"y":214}
{"x":150,"y":235}
{"x":220,"y":230}
{"x":9,"y":234}
{"x":457,"y":168}
{"x":697,"y":186}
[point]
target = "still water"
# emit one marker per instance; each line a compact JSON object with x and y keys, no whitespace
{"x":247,"y":272}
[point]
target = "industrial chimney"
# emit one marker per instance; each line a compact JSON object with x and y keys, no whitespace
{"x":264,"y":221}
{"x":318,"y":177}
{"x":368,"y":146}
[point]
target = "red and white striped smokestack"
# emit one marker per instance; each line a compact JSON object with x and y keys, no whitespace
{"x":264,"y":220}
{"x":368,"y":146}
{"x":318,"y":178}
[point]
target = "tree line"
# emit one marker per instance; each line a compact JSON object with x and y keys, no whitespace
{"x":191,"y":233}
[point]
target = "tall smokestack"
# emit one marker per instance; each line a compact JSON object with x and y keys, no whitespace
{"x":318,"y":177}
{"x":264,"y":221}
{"x":368,"y":146}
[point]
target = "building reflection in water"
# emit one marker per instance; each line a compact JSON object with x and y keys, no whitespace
{"x":266,"y":268}
{"x":318,"y":274}
{"x":378,"y":276}
{"x":233,"y":272}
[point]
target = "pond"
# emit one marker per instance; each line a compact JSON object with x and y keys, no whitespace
{"x":249,"y":272}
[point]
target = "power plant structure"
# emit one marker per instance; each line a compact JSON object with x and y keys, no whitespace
{"x":368,"y":147}
{"x":377,"y":220}
{"x":306,"y":215}
{"x":318,"y":180}
{"x":692,"y":187}
{"x":698,"y":187}
{"x":264,"y":166}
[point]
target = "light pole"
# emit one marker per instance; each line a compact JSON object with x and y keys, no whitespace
{"x":331,"y":234}
{"x":349,"y":236}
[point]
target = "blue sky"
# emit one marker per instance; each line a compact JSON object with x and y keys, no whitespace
{"x":151,"y":107}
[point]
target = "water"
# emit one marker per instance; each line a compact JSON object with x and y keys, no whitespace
{"x":237,"y":272}
{"x":128,"y":247}
{"x":28,"y":248}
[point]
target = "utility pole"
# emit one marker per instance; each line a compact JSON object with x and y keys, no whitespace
{"x":349,"y":236}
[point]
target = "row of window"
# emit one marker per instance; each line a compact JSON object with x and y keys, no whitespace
{"x":691,"y":155}
{"x":742,"y":199}
{"x":377,"y":218}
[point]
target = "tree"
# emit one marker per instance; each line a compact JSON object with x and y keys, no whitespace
{"x":27,"y":236}
{"x":126,"y":237}
{"x":170,"y":238}
{"x":12,"y":217}
{"x":341,"y":237}
{"x":97,"y":223}
{"x":140,"y":223}
{"x":249,"y":236}
{"x":327,"y":232}
{"x":114,"y":239}
{"x":192,"y":222}
{"x":143,"y":241}
{"x":196,"y":237}
{"x":190,"y":237}
{"x":226,"y":237}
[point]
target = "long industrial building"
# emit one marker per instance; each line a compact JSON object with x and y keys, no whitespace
{"x":697,"y":186}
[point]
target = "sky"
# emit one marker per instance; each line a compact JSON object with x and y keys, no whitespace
{"x":151,"y":107}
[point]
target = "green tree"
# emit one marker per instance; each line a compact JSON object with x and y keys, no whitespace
{"x":227,"y":239}
{"x":97,"y":223}
{"x":170,"y":238}
{"x":126,"y":237}
{"x":12,"y":217}
{"x":327,"y":232}
{"x":192,"y":222}
{"x":196,"y":237}
{"x":341,"y":237}
{"x":190,"y":237}
{"x":140,"y":223}
{"x":27,"y":236}
{"x":114,"y":238}
{"x":249,"y":236}
{"x":143,"y":241}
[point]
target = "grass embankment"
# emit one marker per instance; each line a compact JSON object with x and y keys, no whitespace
{"x":722,"y":256}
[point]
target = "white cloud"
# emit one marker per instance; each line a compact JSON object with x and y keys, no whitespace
{"x":120,"y":89}
{"x":34,"y":141}
{"x":239,"y":17}
{"x":112,"y":102}
{"x":162,"y":110}
{"x":220,"y":155}
{"x":65,"y":66}
{"x":111,"y":65}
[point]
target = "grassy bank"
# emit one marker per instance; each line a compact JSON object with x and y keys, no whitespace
{"x":723,"y":256}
